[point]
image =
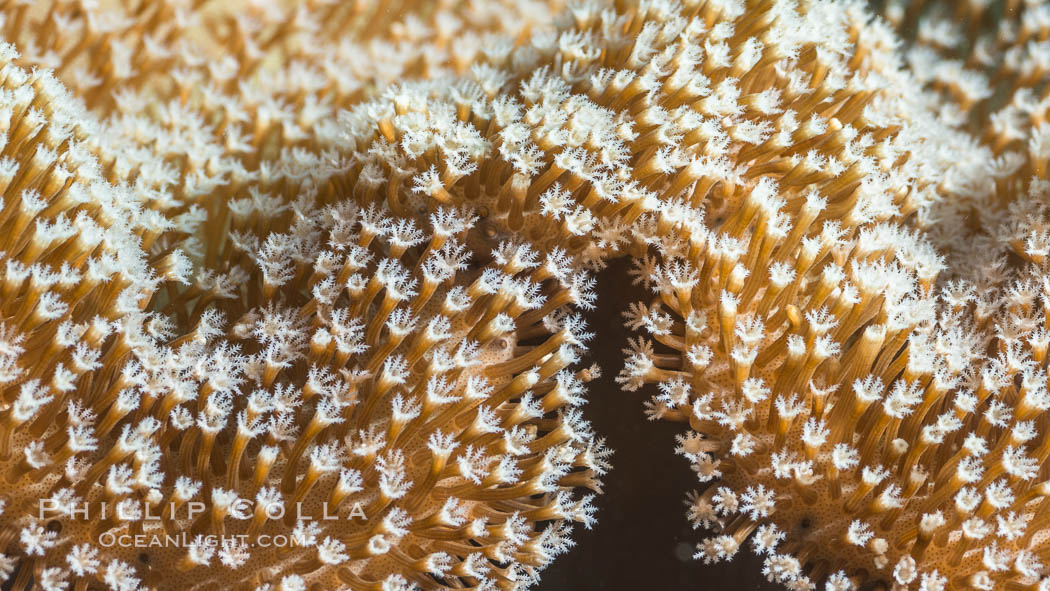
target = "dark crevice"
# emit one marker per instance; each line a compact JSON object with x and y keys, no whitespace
{"x":642,"y":539}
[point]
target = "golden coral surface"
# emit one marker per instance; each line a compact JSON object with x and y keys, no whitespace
{"x":292,"y":294}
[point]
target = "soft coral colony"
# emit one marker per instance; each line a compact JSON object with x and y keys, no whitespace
{"x":201,"y":309}
{"x":856,"y":419}
{"x":283,"y":263}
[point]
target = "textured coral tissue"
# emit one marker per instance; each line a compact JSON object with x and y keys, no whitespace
{"x":299,"y":295}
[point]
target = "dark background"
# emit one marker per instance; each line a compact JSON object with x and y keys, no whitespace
{"x":642,"y":539}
